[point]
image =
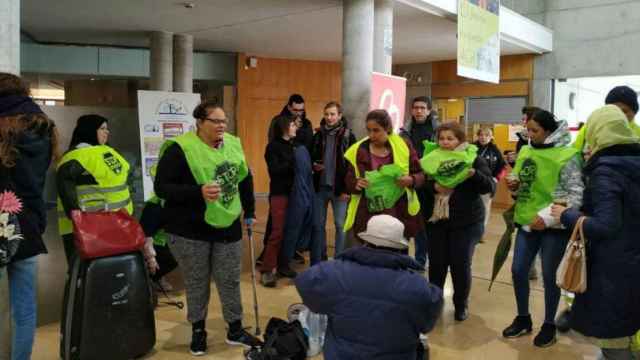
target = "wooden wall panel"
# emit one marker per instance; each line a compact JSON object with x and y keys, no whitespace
{"x":481,"y":89}
{"x":264,"y":90}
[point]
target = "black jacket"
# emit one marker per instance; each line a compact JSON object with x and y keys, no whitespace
{"x":304,"y":135}
{"x":344,"y":139}
{"x":28,"y":175}
{"x":492,"y":156}
{"x":418,"y":133}
{"x":280,"y":159}
{"x":185,"y":206}
{"x":465,"y":205}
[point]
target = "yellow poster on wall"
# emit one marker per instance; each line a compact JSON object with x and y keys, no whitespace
{"x":479,"y":39}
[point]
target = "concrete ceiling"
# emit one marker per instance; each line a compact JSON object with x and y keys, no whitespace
{"x":295,"y":29}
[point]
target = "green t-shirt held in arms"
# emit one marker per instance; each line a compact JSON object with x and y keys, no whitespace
{"x":448,"y":168}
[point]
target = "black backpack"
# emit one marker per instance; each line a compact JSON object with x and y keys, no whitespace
{"x":283,"y":341}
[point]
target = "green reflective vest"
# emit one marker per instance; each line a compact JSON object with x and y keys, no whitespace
{"x":111,"y":193}
{"x":448,"y":168}
{"x":226,"y":166}
{"x":538,"y":171}
{"x":401,"y":154}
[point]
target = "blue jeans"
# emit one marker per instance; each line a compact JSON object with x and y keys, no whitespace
{"x":551,"y":244}
{"x":22,"y":294}
{"x":421,"y":247}
{"x":319,"y":237}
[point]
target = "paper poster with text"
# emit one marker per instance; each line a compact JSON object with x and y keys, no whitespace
{"x":479,"y":39}
{"x":163,"y":115}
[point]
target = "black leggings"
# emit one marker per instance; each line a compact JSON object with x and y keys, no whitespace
{"x":452,"y":247}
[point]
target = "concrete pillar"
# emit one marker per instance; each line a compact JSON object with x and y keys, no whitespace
{"x":161,"y":61}
{"x":183,"y":63}
{"x":383,"y":36}
{"x":10,"y":36}
{"x":357,"y":61}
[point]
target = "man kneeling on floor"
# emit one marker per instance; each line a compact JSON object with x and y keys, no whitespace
{"x":377,"y":301}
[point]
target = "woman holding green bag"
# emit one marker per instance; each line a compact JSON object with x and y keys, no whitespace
{"x":383,"y":173}
{"x":547,"y":170}
{"x":454,"y":210}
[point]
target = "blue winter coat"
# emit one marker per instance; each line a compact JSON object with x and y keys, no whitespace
{"x":610,"y":308}
{"x":376,"y":301}
{"x":299,"y":220}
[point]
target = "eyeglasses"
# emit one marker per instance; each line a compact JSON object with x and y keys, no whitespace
{"x":297,"y":110}
{"x":216,"y":121}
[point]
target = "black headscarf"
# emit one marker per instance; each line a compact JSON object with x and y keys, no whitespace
{"x":86,"y":130}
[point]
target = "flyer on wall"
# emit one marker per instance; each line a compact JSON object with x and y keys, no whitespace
{"x":163,"y":115}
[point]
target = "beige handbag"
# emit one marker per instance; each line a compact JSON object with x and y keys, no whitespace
{"x":572,"y":272}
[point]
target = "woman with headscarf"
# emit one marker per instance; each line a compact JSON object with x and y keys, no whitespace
{"x":608,"y":310}
{"x":547,"y":171}
{"x":28,"y":144}
{"x":91,"y":176}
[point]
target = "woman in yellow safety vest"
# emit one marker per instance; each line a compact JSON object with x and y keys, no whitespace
{"x":206,"y":185}
{"x":383,"y":148}
{"x":91,"y":176}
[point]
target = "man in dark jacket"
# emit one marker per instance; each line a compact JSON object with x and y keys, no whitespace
{"x":377,"y":301}
{"x":330,"y":143}
{"x":421,"y":127}
{"x":295,"y":108}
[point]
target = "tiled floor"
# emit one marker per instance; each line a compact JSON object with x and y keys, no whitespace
{"x":477,"y":338}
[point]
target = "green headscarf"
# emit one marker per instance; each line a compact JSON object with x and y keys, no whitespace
{"x":608,"y":126}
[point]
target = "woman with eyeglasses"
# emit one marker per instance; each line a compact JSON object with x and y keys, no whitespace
{"x":205,"y":183}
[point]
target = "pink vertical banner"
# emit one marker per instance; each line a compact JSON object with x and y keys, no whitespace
{"x":389,"y":92}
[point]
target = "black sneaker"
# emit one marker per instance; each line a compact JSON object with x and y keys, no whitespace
{"x":244,"y":339}
{"x":199,"y":342}
{"x":298,"y":258}
{"x":287,"y":272}
{"x":546,"y":337}
{"x":461,"y":313}
{"x":562,"y":321}
{"x":268,"y":279}
{"x":521,"y":325}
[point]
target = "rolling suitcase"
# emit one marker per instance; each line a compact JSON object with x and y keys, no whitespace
{"x":108,"y":310}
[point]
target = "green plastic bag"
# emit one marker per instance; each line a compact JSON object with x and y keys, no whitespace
{"x":383,"y":192}
{"x":448,"y":168}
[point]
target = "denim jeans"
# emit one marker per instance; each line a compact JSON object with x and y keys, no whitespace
{"x":319,"y":237}
{"x":421,"y":247}
{"x":5,"y":318}
{"x":22,"y":293}
{"x":551,"y":244}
